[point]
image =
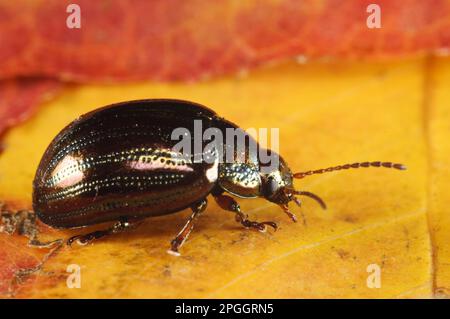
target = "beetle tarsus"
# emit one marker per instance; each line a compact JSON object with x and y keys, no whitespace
{"x":260,"y":226}
{"x":183,"y":235}
{"x":292,"y":215}
{"x":228,"y":203}
{"x":118,"y":227}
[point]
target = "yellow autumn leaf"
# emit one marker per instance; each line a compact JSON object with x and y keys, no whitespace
{"x":438,"y":127}
{"x":327,"y":115}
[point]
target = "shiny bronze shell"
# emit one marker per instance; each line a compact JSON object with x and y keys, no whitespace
{"x":118,"y":161}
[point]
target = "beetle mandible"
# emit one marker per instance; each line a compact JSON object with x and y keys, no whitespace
{"x":118,"y":164}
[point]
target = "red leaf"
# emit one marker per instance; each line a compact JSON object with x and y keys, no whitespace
{"x":189,"y":39}
{"x":14,"y":258}
{"x":19,"y":98}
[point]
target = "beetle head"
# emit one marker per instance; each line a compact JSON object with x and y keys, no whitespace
{"x":278,"y":186}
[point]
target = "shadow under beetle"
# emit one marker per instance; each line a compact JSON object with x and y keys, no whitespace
{"x":117,"y":164}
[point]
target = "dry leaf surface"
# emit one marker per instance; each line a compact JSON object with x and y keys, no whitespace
{"x":327,"y":114}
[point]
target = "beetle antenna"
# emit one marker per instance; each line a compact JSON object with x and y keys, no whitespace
{"x":354,"y":165}
{"x":313,"y":196}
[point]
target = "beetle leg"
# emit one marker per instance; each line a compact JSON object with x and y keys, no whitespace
{"x":118,"y":227}
{"x":228,"y":203}
{"x":292,"y":216}
{"x":182,"y":236}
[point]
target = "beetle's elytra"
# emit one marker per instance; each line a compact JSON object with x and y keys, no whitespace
{"x":118,"y":164}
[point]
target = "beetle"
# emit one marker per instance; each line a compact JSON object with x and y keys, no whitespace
{"x":119,"y":164}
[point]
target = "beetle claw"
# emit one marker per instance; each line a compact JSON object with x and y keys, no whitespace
{"x":78,"y":239}
{"x":271,"y":224}
{"x":70,"y":241}
{"x":81,"y":240}
{"x":288,"y":212}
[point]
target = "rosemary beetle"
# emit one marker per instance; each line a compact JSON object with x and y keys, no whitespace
{"x":119,"y":164}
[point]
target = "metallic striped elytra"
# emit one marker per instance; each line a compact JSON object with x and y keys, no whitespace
{"x":119,"y":164}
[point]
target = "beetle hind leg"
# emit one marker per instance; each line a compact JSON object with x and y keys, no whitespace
{"x":182,"y":236}
{"x":122,"y":225}
{"x":228,"y":203}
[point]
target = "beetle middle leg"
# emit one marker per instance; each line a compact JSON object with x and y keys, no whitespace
{"x":228,"y":203}
{"x":182,"y":236}
{"x":122,"y":225}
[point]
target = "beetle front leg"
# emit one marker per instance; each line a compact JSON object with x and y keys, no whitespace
{"x":228,"y":203}
{"x":182,"y":236}
{"x":118,"y":227}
